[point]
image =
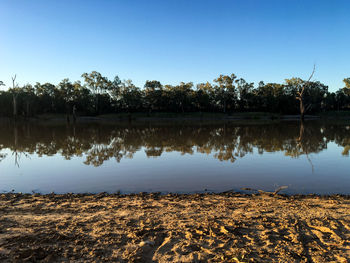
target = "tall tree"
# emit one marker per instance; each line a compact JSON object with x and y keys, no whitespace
{"x":14,"y":92}
{"x":153,"y":95}
{"x":131,"y":96}
{"x":245,"y":93}
{"x":115,"y":91}
{"x":344,"y":95}
{"x":346,"y":89}
{"x":225,"y":90}
{"x":347,"y":83}
{"x":301,"y":86}
{"x":67,"y":93}
{"x":98,"y":84}
{"x":204,"y":96}
{"x":180,"y":96}
{"x":29,"y":94}
{"x":47,"y":93}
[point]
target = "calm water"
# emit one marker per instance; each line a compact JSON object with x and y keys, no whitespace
{"x":196,"y":157}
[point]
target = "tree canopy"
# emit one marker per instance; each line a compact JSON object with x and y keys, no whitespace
{"x":96,"y":94}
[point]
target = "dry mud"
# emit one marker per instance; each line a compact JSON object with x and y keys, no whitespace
{"x":174,"y":228}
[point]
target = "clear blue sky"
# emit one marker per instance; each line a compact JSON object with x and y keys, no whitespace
{"x":175,"y":40}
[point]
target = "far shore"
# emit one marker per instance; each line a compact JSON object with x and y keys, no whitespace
{"x":228,"y":227}
{"x":196,"y":116}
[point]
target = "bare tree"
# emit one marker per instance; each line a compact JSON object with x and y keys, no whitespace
{"x":301,"y":142}
{"x":14,"y":96}
{"x":301,"y":95}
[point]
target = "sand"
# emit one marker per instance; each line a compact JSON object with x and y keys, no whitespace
{"x":174,"y":228}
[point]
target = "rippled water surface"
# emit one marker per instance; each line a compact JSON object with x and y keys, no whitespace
{"x":185,"y":157}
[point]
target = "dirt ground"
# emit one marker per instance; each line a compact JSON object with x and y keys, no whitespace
{"x":174,"y":228}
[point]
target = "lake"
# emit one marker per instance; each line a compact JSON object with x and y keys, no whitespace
{"x":183,"y":157}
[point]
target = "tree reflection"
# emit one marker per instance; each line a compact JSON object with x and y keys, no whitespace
{"x":2,"y":156}
{"x":97,"y":143}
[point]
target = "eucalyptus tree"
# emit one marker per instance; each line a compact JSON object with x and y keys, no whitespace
{"x":68,"y":90}
{"x":48,"y":95}
{"x":14,"y":90}
{"x":312,"y":95}
{"x":330,"y":101}
{"x":29,"y":94}
{"x":98,"y":85}
{"x":300,"y":87}
{"x":225,"y":91}
{"x":341,"y":99}
{"x":204,"y":96}
{"x":115,"y":91}
{"x":83,"y":98}
{"x":67,"y":93}
{"x":179,"y":96}
{"x":346,"y":92}
{"x":185,"y":92}
{"x":5,"y":102}
{"x":153,"y":95}
{"x":316,"y":96}
{"x":273,"y":97}
{"x":347,"y":85}
{"x":245,"y":95}
{"x":131,"y":96}
{"x":342,"y":96}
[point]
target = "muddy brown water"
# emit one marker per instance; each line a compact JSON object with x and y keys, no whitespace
{"x":179,"y":157}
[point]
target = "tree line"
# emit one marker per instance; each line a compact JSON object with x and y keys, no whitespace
{"x":97,"y":95}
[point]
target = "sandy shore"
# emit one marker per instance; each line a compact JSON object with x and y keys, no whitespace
{"x":174,"y":228}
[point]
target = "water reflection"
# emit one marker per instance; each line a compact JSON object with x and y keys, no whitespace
{"x":98,"y":143}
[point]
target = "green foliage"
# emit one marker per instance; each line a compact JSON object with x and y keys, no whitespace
{"x":98,"y":85}
{"x":130,"y":97}
{"x":153,"y":95}
{"x":227,"y":94}
{"x":347,"y":83}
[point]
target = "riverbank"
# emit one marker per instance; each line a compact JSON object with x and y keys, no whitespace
{"x":174,"y":228}
{"x":170,"y":116}
{"x":164,"y":118}
{"x":190,"y":116}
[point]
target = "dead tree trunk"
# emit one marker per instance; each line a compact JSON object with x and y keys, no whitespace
{"x":302,"y":109}
{"x":302,"y":144}
{"x":301,"y":97}
{"x":14,"y":97}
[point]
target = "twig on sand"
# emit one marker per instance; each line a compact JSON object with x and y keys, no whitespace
{"x":280,"y":189}
{"x":265,"y":192}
